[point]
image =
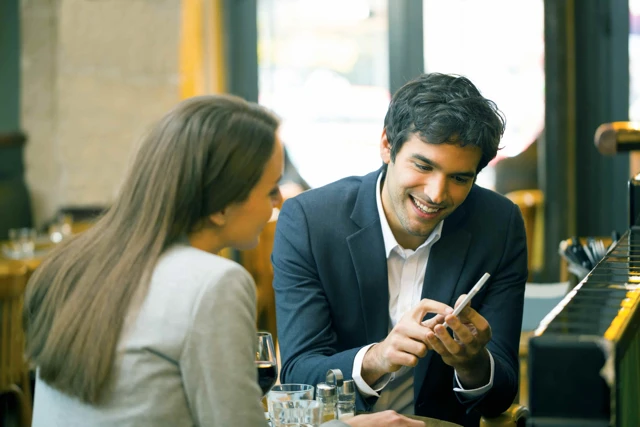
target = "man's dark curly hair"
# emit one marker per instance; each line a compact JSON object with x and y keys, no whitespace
{"x":444,"y":108}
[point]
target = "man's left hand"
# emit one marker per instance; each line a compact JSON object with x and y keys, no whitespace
{"x":466,"y":351}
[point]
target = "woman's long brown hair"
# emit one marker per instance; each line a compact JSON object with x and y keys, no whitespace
{"x":204,"y":155}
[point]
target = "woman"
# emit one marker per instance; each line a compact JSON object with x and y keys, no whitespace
{"x":136,"y":321}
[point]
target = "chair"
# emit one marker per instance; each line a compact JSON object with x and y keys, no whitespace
{"x":531,"y":204}
{"x":14,"y":368}
{"x":515,"y":416}
{"x":539,"y":299}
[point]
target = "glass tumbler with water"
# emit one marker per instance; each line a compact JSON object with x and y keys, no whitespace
{"x":296,"y":413}
{"x":287,"y":393}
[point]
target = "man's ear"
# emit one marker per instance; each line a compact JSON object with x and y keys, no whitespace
{"x":219,"y":219}
{"x":385,"y":147}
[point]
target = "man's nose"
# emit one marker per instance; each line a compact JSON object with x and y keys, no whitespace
{"x":437,"y":189}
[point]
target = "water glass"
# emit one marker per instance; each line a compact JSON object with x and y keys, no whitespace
{"x":287,"y":393}
{"x":296,"y":413}
{"x":22,"y":241}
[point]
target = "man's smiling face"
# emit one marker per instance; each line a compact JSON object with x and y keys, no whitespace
{"x":424,"y":185}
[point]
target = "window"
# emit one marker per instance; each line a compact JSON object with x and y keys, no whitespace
{"x":499,"y":46}
{"x":324,"y":69}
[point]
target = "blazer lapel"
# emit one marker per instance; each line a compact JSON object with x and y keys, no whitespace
{"x":370,"y":263}
{"x":446,"y":261}
{"x":368,"y":255}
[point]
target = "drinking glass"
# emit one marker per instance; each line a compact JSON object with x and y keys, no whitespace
{"x":297,"y":413}
{"x":23,"y":241}
{"x":266,"y":362}
{"x":288,"y":393}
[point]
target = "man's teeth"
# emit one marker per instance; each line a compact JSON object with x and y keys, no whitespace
{"x":424,"y":208}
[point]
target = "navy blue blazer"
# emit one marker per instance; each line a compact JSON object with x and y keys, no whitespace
{"x":332,"y":294}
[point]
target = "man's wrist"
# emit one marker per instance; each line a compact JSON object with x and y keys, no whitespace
{"x":371,"y":371}
{"x":477,"y":372}
{"x":365,"y":389}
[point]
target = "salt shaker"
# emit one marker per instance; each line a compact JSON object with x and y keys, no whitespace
{"x":346,"y":406}
{"x":326,"y":394}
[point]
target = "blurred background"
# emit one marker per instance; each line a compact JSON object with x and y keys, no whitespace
{"x":81,"y":80}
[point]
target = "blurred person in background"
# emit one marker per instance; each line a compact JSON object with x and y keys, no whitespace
{"x":292,"y":182}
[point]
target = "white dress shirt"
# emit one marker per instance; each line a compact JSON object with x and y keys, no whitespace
{"x":406,"y":269}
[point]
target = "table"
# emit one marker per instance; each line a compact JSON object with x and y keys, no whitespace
{"x":432,"y":422}
{"x":428,"y":422}
{"x":33,"y":262}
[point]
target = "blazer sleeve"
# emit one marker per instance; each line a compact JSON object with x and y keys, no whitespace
{"x":217,"y":362}
{"x":308,"y":343}
{"x":502,"y":307}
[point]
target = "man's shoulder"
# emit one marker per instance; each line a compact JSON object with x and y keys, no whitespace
{"x":489,"y":201}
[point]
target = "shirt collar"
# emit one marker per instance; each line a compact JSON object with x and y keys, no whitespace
{"x":390,"y":242}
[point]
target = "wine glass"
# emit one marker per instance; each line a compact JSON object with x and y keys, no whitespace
{"x":266,"y":362}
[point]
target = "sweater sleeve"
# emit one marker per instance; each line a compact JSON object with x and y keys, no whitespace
{"x":217,"y":362}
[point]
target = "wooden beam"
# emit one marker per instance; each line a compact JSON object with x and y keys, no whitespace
{"x":202,"y":60}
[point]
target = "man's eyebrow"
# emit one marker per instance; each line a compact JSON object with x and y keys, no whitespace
{"x":435,"y":165}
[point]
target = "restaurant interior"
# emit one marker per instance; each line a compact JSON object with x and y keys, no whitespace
{"x":82,"y":80}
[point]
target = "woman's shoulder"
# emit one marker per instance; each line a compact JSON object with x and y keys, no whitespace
{"x":185,"y":259}
{"x":195,"y":271}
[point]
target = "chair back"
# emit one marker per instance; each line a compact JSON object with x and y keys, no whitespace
{"x":13,"y":280}
{"x":531,"y":204}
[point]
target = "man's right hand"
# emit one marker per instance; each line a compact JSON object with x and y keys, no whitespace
{"x":405,"y":344}
{"x":384,"y":418}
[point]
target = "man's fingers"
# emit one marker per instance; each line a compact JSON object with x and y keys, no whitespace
{"x":473,"y":319}
{"x":436,"y":344}
{"x":403,"y":344}
{"x":416,"y":348}
{"x":436,"y":320}
{"x":447,"y":341}
{"x":413,"y":330}
{"x":460,"y":299}
{"x":469,"y":315}
{"x":463,"y":332}
{"x":428,"y":306}
{"x":399,"y":357}
{"x":469,"y":334}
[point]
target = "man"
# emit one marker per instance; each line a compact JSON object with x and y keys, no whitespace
{"x":360,"y":262}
